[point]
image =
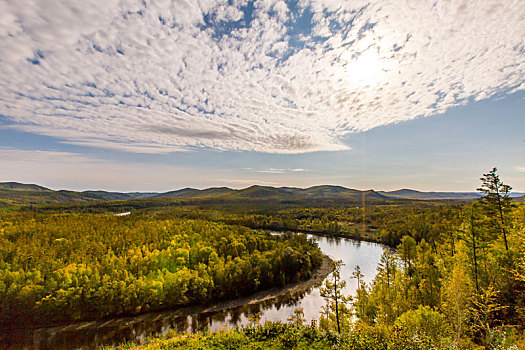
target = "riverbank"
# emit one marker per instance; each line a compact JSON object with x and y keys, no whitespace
{"x":368,"y":237}
{"x":267,"y":295}
{"x":91,"y":334}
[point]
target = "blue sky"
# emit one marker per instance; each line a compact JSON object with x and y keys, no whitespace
{"x":153,"y":96}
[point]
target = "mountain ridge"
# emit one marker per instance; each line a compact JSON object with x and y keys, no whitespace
{"x":406,"y":193}
{"x":19,"y":193}
{"x":18,"y":186}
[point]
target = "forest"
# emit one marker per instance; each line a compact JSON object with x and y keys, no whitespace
{"x":68,"y":267}
{"x":467,"y":292}
{"x":453,"y":278}
{"x":456,"y":280}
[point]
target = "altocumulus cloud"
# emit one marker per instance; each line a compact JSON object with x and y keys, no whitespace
{"x":268,"y":76}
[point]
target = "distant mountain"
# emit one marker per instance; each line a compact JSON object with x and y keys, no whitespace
{"x":323,"y":193}
{"x":193,"y":192}
{"x":413,"y":194}
{"x":107,"y":196}
{"x":18,"y":193}
{"x":15,"y":193}
{"x":327,"y":191}
{"x":176,"y":193}
{"x":22,"y":187}
{"x":519,"y":199}
{"x":257,"y":191}
{"x":35,"y":197}
{"x":289,"y":189}
{"x":24,"y":194}
{"x":142,"y":195}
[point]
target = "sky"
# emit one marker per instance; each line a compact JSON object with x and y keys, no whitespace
{"x":157,"y":95}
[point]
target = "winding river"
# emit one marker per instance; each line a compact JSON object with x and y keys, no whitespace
{"x":89,"y":335}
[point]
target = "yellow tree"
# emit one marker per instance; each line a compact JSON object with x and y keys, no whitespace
{"x":456,"y":292}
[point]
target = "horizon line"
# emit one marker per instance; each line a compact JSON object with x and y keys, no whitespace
{"x":254,"y":184}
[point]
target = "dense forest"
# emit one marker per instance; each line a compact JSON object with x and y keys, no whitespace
{"x":455,"y":280}
{"x":381,"y":223}
{"x":63,"y":267}
{"x":459,"y":285}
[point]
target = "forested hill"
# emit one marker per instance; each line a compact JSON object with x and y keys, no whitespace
{"x":16,"y":186}
{"x":21,"y":194}
{"x":31,"y":194}
{"x":413,"y":194}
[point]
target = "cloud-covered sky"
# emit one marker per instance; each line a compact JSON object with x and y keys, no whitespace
{"x":273,"y":77}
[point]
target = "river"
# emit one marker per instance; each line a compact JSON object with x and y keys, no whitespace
{"x":89,"y":335}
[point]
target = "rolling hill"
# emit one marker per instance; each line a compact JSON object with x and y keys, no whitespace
{"x":193,"y":192}
{"x":330,"y":191}
{"x":17,"y":186}
{"x":14,"y":193}
{"x":413,"y":194}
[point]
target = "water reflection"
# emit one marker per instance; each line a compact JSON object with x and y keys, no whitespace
{"x":90,"y":335}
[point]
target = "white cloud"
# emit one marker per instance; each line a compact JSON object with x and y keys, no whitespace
{"x":177,"y":75}
{"x":34,"y":157}
{"x":279,"y":171}
{"x":521,"y":169}
{"x":272,"y":171}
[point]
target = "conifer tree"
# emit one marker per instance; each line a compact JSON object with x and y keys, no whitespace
{"x":496,"y":199}
{"x":332,"y":292}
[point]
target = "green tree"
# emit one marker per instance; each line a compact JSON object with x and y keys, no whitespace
{"x":476,"y":240}
{"x":357,"y":275}
{"x":360,"y":303}
{"x":407,"y":251}
{"x":496,"y":200}
{"x":297,"y":317}
{"x":424,"y":325}
{"x":332,"y":292}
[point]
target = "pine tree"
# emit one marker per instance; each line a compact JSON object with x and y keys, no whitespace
{"x":332,"y":292}
{"x":361,"y":292}
{"x":358,"y":275}
{"x":496,"y":200}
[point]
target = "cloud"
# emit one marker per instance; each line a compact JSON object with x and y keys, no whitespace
{"x":272,"y":171}
{"x":279,"y":171}
{"x":521,"y":169}
{"x":164,"y":76}
{"x":34,"y":157}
